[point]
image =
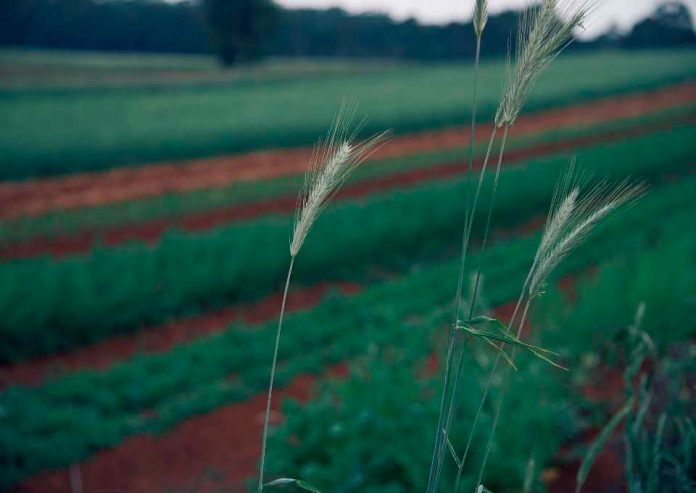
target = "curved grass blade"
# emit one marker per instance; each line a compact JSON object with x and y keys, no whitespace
{"x":599,"y":444}
{"x":504,"y":335}
{"x":294,"y":482}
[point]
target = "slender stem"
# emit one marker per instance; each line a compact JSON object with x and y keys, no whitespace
{"x":470,"y":439}
{"x":487,"y":229}
{"x":479,"y":185}
{"x":472,"y":305}
{"x":267,"y":416}
{"x":442,"y":431}
{"x":470,"y":169}
{"x":502,"y":398}
{"x":479,"y":410}
{"x":487,"y":387}
{"x":439,"y":439}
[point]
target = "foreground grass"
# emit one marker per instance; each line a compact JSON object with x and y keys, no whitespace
{"x":133,"y":125}
{"x":51,"y":305}
{"x":349,"y":432}
{"x":71,"y":417}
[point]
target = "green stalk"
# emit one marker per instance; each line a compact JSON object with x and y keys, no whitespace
{"x":438,"y":452}
{"x":467,"y":237}
{"x":487,"y":229}
{"x":472,"y":306}
{"x":502,"y":396}
{"x":443,"y":430}
{"x":487,"y":387}
{"x":470,"y":169}
{"x":267,"y":416}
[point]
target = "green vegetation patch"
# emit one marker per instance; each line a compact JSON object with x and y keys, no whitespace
{"x":51,"y":305}
{"x":370,"y":432}
{"x":71,"y":417}
{"x":175,"y":205}
{"x":64,"y":131}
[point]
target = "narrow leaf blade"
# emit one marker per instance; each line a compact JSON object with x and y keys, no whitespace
{"x":294,"y":482}
{"x":600,"y":443}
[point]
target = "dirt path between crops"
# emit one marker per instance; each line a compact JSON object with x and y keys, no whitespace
{"x":36,"y":197}
{"x":209,"y":453}
{"x":112,"y":350}
{"x":151,"y":231}
{"x":213,"y":452}
{"x":219,"y":451}
{"x":118,"y":348}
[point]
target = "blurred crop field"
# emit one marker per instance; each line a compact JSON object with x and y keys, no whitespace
{"x":147,"y":203}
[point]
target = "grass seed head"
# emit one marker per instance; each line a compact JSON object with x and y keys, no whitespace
{"x":480,"y":16}
{"x":334,"y":158}
{"x":563,"y":203}
{"x":543,"y":32}
{"x":572,"y":222}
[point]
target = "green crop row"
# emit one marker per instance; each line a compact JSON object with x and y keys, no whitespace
{"x":65,"y":131}
{"x":68,"y":418}
{"x":664,"y":279}
{"x":372,"y":431}
{"x":175,"y":205}
{"x":50,"y":305}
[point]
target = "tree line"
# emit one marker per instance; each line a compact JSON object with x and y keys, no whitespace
{"x":245,"y":30}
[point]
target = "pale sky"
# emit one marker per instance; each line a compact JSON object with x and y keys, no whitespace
{"x":624,"y":13}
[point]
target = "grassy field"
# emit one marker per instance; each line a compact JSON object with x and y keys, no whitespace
{"x":50,"y":132}
{"x":28,"y":69}
{"x":214,"y":267}
{"x":171,"y":206}
{"x":191,"y":378}
{"x":340,"y":435}
{"x":133,"y":349}
{"x":100,"y":61}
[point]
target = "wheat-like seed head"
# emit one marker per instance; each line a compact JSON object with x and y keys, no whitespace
{"x":543,"y":33}
{"x":559,"y":221}
{"x":573,"y":221}
{"x":563,"y":204}
{"x":334,"y":158}
{"x":480,"y":16}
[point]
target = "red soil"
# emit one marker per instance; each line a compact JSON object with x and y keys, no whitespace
{"x":607,"y":474}
{"x":208,"y":453}
{"x":217,"y":451}
{"x":36,"y":197}
{"x":212,"y":452}
{"x":152,"y":230}
{"x":159,"y":339}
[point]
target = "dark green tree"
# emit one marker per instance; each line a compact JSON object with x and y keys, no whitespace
{"x":240,"y":29}
{"x":670,"y":25}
